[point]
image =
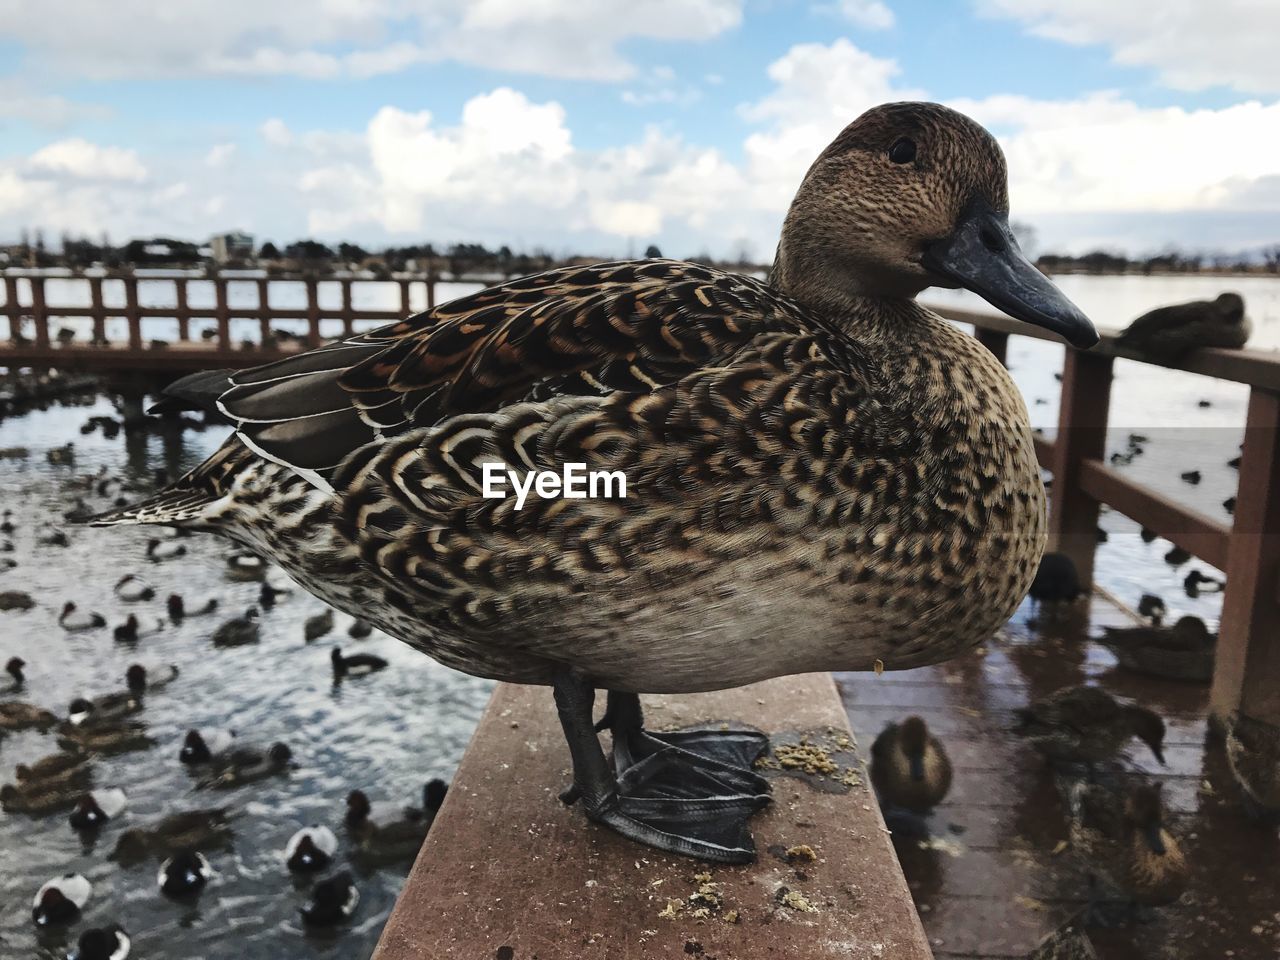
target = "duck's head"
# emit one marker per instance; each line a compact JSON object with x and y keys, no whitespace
{"x":1144,"y":811}
{"x":1148,"y":727}
{"x":14,"y":668}
{"x":358,"y":807}
{"x":913,"y":738}
{"x":80,"y":710}
{"x":135,"y":678}
{"x":909,"y":196}
{"x":194,"y":749}
{"x":279,"y":754}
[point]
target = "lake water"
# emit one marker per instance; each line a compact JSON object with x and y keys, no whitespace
{"x":389,"y":732}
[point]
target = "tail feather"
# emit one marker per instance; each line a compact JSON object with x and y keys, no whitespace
{"x":196,"y":391}
{"x":177,"y":506}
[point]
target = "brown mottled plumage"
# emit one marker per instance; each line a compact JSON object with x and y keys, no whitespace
{"x":1253,"y":753}
{"x":909,"y":766}
{"x":1168,"y":333}
{"x":1122,"y":841}
{"x":1184,"y":651}
{"x":821,"y":474}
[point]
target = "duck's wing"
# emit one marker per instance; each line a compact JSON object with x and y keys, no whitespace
{"x":630,"y":326}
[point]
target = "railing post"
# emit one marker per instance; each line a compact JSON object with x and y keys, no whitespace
{"x":404,"y":297}
{"x":183,"y":310}
{"x":1247,"y":671}
{"x":431,"y":286}
{"x":39,"y":311}
{"x":131,"y":312}
{"x":347,"y":320}
{"x":12,"y":308}
{"x":1082,"y":435}
{"x":264,"y":314}
{"x":221,"y":314}
{"x":996,"y":342}
{"x":313,"y":312}
{"x":99,"y":312}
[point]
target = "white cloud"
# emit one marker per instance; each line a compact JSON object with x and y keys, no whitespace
{"x":1192,"y":45}
{"x":80,"y":159}
{"x":626,"y":218}
{"x":18,"y":102}
{"x":219,"y":154}
{"x":275,"y":132}
{"x":320,"y":39}
{"x":868,"y":14}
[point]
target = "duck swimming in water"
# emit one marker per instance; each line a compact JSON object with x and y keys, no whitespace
{"x":311,"y":849}
{"x":73,"y":620}
{"x":816,"y":456}
{"x":184,"y":874}
{"x":333,"y":901}
{"x":97,"y":807}
{"x":61,"y":900}
{"x":102,"y":943}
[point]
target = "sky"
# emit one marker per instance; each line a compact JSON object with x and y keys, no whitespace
{"x":602,"y":126}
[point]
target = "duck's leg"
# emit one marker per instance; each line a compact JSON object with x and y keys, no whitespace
{"x":665,"y":800}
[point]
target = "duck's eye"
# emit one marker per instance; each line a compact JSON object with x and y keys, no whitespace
{"x":903,"y":150}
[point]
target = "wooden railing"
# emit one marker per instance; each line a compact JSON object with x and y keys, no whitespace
{"x":1247,"y":675}
{"x":1248,"y":550}
{"x":42,"y":349}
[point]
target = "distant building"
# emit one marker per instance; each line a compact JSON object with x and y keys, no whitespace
{"x":232,"y":246}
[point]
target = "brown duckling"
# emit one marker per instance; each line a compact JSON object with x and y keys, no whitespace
{"x":17,"y":715}
{"x":1253,"y":753}
{"x":200,"y":829}
{"x":317,"y":626}
{"x":1087,"y":725}
{"x":1184,"y":651}
{"x":1122,"y":840}
{"x":909,"y":767}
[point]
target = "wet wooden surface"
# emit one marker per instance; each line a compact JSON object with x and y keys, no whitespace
{"x":994,"y":875}
{"x":510,"y":873}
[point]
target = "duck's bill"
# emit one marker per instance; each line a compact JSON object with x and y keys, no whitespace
{"x":981,"y":255}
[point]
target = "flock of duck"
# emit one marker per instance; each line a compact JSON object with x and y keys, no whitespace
{"x":1116,"y":820}
{"x":111,"y":723}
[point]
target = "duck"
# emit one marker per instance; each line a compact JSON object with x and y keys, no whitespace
{"x":47,"y":535}
{"x":1167,"y":334}
{"x":311,"y":849}
{"x":359,"y":629}
{"x":184,"y":874}
{"x":823,"y":401}
{"x":1176,"y":557}
{"x":106,"y":738}
{"x":203,"y":829}
{"x":356,"y":665}
{"x":333,"y":901}
{"x":6,"y":523}
{"x":205,"y":747}
{"x":64,"y":455}
{"x":74,"y":620}
{"x":238,"y":631}
{"x":387,"y":842}
{"x":247,"y":765}
{"x":110,"y":708}
{"x":316,"y":627}
{"x":1152,"y":608}
{"x":1087,"y":725}
{"x":16,"y":600}
{"x":97,"y":807}
{"x":1197,"y":583}
{"x":267,"y":595}
{"x":159,"y":551}
{"x":61,"y":899}
{"x":131,"y":631}
{"x":1184,"y":651}
{"x":102,"y":943}
{"x":1253,"y":755}
{"x":177,"y":608}
{"x":131,"y":588}
{"x":1121,"y":839}
{"x":434,"y":792}
{"x":38,"y":798}
{"x":246,"y":566}
{"x":14,"y":667}
{"x":1069,"y":942}
{"x":18,"y":715}
{"x":1057,"y":582}
{"x":140,"y":682}
{"x":50,"y":766}
{"x":910,"y":769}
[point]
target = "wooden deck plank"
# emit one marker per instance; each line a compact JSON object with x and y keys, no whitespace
{"x":509,"y":872}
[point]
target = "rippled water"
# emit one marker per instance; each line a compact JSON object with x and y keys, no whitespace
{"x":389,"y":732}
{"x":386,"y":733}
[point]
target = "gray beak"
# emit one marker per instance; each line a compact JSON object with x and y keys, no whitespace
{"x":981,"y":255}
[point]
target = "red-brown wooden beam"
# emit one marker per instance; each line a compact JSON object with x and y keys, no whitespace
{"x":182,"y":309}
{"x":99,"y":311}
{"x":221,"y":313}
{"x":12,"y":307}
{"x":39,"y":312}
{"x":313,"y":312}
{"x":131,"y":313}
{"x":264,"y":313}
{"x":1247,"y":674}
{"x":1082,"y":436}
